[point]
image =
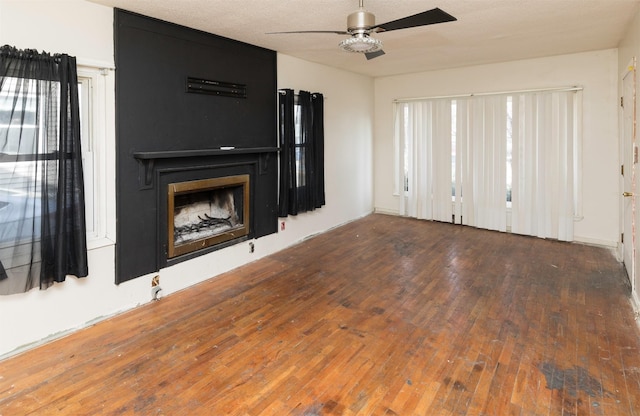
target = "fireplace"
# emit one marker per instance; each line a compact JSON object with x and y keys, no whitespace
{"x":190,"y":203}
{"x":166,"y":135}
{"x":203,"y":213}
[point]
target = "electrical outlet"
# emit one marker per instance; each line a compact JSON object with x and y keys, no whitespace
{"x":155,"y":292}
{"x":155,"y":287}
{"x":251,"y":248}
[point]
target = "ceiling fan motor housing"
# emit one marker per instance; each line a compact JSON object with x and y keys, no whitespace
{"x":360,"y":21}
{"x":359,"y":25}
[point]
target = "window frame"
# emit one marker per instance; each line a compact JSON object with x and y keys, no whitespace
{"x":98,"y":152}
{"x":98,"y":147}
{"x":400,"y":154}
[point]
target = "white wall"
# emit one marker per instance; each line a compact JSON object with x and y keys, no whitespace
{"x":630,"y":48}
{"x":348,"y":138}
{"x":74,"y":27}
{"x":87,"y":33}
{"x":596,"y":71}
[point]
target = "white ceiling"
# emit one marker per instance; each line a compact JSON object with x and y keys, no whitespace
{"x":486,"y":30}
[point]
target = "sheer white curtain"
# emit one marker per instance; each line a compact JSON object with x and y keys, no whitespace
{"x":545,"y":163}
{"x":423,"y":143}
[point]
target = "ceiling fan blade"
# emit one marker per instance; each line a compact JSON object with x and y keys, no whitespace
{"x":371,"y":55}
{"x":429,"y":17}
{"x":337,"y":32}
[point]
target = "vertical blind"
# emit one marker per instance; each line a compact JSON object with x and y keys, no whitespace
{"x":474,"y":159}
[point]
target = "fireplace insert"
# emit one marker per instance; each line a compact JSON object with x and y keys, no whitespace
{"x":203,"y":213}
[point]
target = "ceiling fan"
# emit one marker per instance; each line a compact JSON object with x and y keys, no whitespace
{"x":361,"y":24}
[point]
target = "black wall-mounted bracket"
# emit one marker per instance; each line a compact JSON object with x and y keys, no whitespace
{"x":225,"y":89}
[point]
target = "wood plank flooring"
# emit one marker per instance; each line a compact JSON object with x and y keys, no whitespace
{"x":383,"y":316}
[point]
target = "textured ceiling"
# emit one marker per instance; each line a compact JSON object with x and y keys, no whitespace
{"x":486,"y":31}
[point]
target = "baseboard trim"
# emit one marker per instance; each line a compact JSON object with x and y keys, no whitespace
{"x":596,"y":242}
{"x":577,"y":238}
{"x":386,"y":211}
{"x":635,"y":304}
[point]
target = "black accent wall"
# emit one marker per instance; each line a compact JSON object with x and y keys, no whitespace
{"x":167,"y":131}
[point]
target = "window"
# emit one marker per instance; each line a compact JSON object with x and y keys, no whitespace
{"x":44,"y":232}
{"x":94,"y":86}
{"x":92,"y":117}
{"x":476,"y":159}
{"x":299,"y":144}
{"x":508,"y":129}
{"x":19,"y":173}
{"x":301,"y":179}
{"x":92,"y":90}
{"x":86,"y":122}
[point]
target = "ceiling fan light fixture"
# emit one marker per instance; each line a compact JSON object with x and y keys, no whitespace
{"x":361,"y":44}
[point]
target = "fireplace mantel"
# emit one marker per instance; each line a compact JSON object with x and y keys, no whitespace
{"x":173,"y":154}
{"x":148,"y":160}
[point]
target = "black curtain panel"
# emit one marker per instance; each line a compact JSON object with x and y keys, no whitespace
{"x":42,"y":210}
{"x":317,"y":108}
{"x":304,"y":156}
{"x":301,"y":152}
{"x":288,"y":190}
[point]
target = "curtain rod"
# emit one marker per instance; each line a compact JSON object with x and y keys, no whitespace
{"x":481,"y":94}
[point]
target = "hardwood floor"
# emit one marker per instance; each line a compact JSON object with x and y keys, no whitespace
{"x":383,"y":316}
